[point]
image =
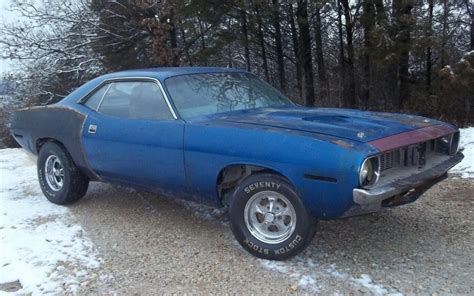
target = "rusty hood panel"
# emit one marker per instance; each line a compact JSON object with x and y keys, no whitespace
{"x":355,"y":125}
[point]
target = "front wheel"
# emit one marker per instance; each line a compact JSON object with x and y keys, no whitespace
{"x":268,"y":219}
{"x":61,"y":181}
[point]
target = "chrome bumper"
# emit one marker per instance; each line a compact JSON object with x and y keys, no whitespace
{"x":415,"y":184}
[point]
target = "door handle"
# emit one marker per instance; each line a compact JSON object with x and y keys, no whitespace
{"x":92,"y":129}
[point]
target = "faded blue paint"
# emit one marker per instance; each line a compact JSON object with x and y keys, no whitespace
{"x":343,"y":123}
{"x":210,"y":147}
{"x":146,"y":153}
{"x":186,"y":157}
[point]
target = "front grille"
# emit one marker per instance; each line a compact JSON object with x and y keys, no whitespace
{"x":389,"y":160}
{"x":411,"y":156}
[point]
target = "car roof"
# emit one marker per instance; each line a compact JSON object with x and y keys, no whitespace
{"x":164,"y":72}
{"x":157,"y":73}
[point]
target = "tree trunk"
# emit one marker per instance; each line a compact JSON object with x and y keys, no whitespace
{"x":203,"y":40}
{"x":305,"y":52}
{"x":296,"y":51}
{"x":381,"y":15}
{"x":368,"y":22}
{"x":429,"y":33}
{"x":261,"y":40}
{"x":245,"y":34}
{"x":444,"y":33}
{"x":230,"y":60}
{"x":278,"y":45}
{"x":186,"y":47}
{"x":472,"y":31}
{"x":173,"y":38}
{"x":403,"y":18}
{"x":351,"y":99}
{"x":323,"y":81}
{"x":470,"y":12}
{"x":342,"y":59}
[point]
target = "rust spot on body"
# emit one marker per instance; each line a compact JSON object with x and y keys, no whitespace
{"x":412,"y":137}
{"x":343,"y":143}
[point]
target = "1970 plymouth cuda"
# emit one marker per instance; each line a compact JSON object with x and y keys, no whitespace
{"x":225,"y":138}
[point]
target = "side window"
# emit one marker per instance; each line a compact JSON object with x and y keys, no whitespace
{"x":136,"y":100}
{"x":116,"y":101}
{"x":94,"y":100}
{"x":148,"y":102}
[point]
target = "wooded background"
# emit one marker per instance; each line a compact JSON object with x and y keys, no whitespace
{"x":414,"y":56}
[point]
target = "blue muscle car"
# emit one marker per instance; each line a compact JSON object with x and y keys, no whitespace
{"x":224,"y":137}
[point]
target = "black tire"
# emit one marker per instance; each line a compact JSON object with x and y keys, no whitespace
{"x":74,"y":183}
{"x":289,"y":246}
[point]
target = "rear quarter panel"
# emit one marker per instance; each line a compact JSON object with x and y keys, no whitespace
{"x":31,"y":125}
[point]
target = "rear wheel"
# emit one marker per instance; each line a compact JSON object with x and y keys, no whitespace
{"x":268,"y":219}
{"x":61,"y":181}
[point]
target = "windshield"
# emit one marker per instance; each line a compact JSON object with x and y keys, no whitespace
{"x":203,"y":94}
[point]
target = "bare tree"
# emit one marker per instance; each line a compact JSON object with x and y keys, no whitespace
{"x":296,"y":50}
{"x":350,"y":97}
{"x":53,"y":46}
{"x":305,"y":52}
{"x":322,"y":76}
{"x":279,"y":45}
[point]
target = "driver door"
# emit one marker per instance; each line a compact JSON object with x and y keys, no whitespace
{"x":131,"y":136}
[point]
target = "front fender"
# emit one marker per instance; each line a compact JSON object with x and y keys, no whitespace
{"x":323,"y":169}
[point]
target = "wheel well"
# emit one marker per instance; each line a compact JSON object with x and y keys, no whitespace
{"x":40,"y":142}
{"x":231,"y":176}
{"x":85,"y":170}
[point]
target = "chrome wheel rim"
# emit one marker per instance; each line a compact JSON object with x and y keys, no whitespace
{"x":54,"y":172}
{"x":270,"y":217}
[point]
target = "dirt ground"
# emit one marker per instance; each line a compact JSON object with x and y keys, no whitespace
{"x":152,"y":245}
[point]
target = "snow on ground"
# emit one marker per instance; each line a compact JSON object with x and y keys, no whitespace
{"x":466,"y":168}
{"x":42,"y":248}
{"x":309,"y":276}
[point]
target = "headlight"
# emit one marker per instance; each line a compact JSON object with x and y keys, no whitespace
{"x":369,"y":172}
{"x":448,"y":144}
{"x":454,"y":144}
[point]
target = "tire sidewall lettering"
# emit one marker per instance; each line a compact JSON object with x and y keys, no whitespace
{"x":261,"y":185}
{"x":255,"y":246}
{"x":44,"y":185}
{"x":293,"y":244}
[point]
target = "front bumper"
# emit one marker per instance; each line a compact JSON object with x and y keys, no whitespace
{"x":407,"y":189}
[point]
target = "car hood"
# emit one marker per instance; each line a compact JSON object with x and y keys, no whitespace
{"x":355,"y":125}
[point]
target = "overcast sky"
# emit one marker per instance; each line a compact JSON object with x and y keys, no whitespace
{"x":5,"y":16}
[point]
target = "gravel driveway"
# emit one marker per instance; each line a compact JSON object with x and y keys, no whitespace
{"x":151,"y":244}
